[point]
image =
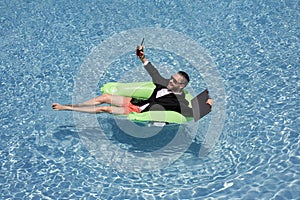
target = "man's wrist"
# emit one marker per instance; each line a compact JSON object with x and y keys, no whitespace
{"x":145,"y":62}
{"x":143,"y":59}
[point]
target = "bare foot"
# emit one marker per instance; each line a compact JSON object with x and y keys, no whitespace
{"x":57,"y":106}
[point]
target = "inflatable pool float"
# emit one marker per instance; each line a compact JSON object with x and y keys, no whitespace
{"x":143,"y":90}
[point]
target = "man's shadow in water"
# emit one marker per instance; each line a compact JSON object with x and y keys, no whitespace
{"x":120,"y":138}
{"x":65,"y":132}
{"x":158,"y":140}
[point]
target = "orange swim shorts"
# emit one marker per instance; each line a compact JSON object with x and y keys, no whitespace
{"x":129,"y":107}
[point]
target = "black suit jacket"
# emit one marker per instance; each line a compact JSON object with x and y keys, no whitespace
{"x":171,"y":102}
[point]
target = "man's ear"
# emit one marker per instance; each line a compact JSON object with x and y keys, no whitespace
{"x":182,"y":86}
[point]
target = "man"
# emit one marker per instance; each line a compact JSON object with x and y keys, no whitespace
{"x":167,"y":95}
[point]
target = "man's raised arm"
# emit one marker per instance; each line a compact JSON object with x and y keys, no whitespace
{"x":153,"y":72}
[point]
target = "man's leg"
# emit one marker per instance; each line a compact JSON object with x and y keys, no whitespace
{"x":91,"y":109}
{"x":87,"y":109}
{"x":105,"y":98}
{"x":89,"y":106}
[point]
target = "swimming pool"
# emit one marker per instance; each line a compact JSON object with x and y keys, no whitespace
{"x":254,"y":48}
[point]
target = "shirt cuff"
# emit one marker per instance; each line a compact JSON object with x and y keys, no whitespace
{"x":146,"y":63}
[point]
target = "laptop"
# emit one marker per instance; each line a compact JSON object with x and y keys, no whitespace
{"x":199,"y":105}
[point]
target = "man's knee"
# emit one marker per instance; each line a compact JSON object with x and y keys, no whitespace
{"x":104,"y":98}
{"x":106,"y":109}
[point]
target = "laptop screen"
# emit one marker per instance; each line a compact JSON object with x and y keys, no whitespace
{"x":199,"y":105}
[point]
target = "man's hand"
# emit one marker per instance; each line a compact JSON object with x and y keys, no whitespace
{"x":210,"y":102}
{"x":141,"y":55}
{"x":139,"y":51}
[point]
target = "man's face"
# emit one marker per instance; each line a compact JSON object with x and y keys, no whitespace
{"x":176,"y":83}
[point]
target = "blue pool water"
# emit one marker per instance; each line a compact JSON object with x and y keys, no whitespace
{"x":253,"y":47}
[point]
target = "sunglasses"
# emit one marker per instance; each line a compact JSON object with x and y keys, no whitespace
{"x":175,"y":81}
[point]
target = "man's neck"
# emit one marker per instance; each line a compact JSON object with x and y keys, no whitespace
{"x":177,"y":91}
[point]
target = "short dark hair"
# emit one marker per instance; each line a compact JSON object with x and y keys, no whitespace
{"x":185,"y":75}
